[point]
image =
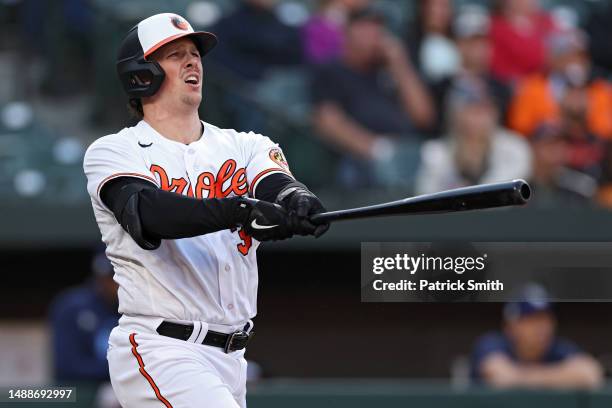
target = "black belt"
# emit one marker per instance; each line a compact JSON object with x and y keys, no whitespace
{"x":228,"y":342}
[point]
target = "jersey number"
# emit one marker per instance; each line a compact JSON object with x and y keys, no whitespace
{"x":247,"y":241}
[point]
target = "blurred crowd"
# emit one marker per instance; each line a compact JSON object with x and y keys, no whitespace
{"x":465,"y":95}
{"x":460,"y":93}
{"x":487,"y":95}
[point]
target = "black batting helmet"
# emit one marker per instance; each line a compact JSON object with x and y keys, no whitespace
{"x":141,"y":77}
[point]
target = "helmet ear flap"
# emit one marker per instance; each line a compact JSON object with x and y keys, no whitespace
{"x":139,"y":77}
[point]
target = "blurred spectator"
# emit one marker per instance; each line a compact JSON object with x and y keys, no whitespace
{"x":430,"y":42}
{"x":540,"y":96}
{"x":253,"y":40}
{"x":323,"y":34}
{"x":604,"y":194}
{"x":556,"y":184}
{"x":598,"y":29}
{"x":475,"y":150}
{"x":370,"y":99}
{"x":61,"y":32}
{"x":519,"y":32}
{"x":254,"y":44}
{"x":81,"y":321}
{"x":471,"y":28}
{"x":586,"y":150}
{"x":529,"y":354}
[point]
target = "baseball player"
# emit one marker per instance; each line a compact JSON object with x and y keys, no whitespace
{"x":182,"y":206}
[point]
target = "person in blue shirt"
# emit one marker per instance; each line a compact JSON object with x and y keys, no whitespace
{"x":527,"y":353}
{"x":81,"y":319}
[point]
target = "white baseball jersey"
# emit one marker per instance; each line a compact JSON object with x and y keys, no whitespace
{"x":212,"y":277}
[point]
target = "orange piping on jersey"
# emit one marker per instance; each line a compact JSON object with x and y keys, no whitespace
{"x":144,"y":372}
{"x":125,"y":175}
{"x":263,"y":173}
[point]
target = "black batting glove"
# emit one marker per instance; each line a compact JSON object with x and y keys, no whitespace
{"x":301,"y":204}
{"x":264,"y":221}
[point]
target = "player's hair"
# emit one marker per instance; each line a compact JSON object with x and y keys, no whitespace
{"x":135,"y":108}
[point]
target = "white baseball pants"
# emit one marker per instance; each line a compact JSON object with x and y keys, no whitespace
{"x":148,"y":370}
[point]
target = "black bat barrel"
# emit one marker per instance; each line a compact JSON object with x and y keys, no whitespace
{"x":510,"y":193}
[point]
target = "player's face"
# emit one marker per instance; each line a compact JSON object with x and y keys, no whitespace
{"x":182,"y":64}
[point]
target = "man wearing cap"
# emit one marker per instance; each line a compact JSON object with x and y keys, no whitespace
{"x":475,"y":149}
{"x":556,"y":183}
{"x":528,"y":353}
{"x":357,"y":108}
{"x":81,"y":319}
{"x":182,"y":206}
{"x":471,"y":29}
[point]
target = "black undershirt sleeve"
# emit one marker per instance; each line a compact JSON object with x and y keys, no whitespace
{"x":150,"y":214}
{"x":167,"y":215}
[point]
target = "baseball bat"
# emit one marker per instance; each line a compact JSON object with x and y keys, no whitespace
{"x":510,"y":193}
